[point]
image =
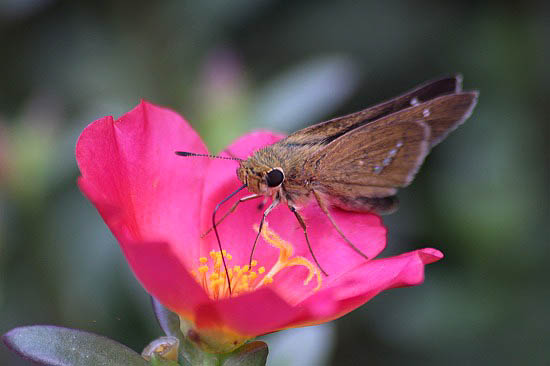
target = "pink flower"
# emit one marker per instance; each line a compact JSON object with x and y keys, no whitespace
{"x":158,"y":204}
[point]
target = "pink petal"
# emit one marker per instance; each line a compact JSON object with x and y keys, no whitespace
{"x":164,"y":276}
{"x":158,"y":267}
{"x":264,"y":311}
{"x":129,"y":167}
{"x":335,"y":256}
{"x":360,"y":284}
{"x":248,"y":144}
{"x":332,"y":252}
{"x":250,"y":315}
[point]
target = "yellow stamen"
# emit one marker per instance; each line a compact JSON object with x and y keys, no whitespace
{"x":203,"y":269}
{"x":242,"y":278}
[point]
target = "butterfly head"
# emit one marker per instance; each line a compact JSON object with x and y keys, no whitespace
{"x":260,"y":178}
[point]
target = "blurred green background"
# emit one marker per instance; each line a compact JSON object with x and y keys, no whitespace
{"x":482,"y":197}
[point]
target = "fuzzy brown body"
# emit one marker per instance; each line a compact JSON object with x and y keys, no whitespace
{"x":357,"y":162}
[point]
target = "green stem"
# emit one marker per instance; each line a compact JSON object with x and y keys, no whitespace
{"x":193,"y":356}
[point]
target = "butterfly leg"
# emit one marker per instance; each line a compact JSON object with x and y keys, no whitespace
{"x":274,"y":204}
{"x":247,"y":198}
{"x":324,"y":208}
{"x":303,"y":225}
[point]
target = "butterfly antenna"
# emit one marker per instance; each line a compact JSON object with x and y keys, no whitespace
{"x":185,"y":153}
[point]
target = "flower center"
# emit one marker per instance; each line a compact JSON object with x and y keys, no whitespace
{"x":246,"y":278}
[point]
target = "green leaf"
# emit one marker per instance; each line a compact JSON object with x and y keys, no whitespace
{"x":251,"y":354}
{"x":58,"y":346}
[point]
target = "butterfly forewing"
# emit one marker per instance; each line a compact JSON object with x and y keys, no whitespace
{"x":328,"y":131}
{"x":375,"y":159}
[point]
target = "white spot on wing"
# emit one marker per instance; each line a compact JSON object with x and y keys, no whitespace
{"x":389,"y":158}
{"x":426,"y":112}
{"x":415,"y":101}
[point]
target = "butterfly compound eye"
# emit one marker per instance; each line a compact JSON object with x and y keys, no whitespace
{"x":274,"y":178}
